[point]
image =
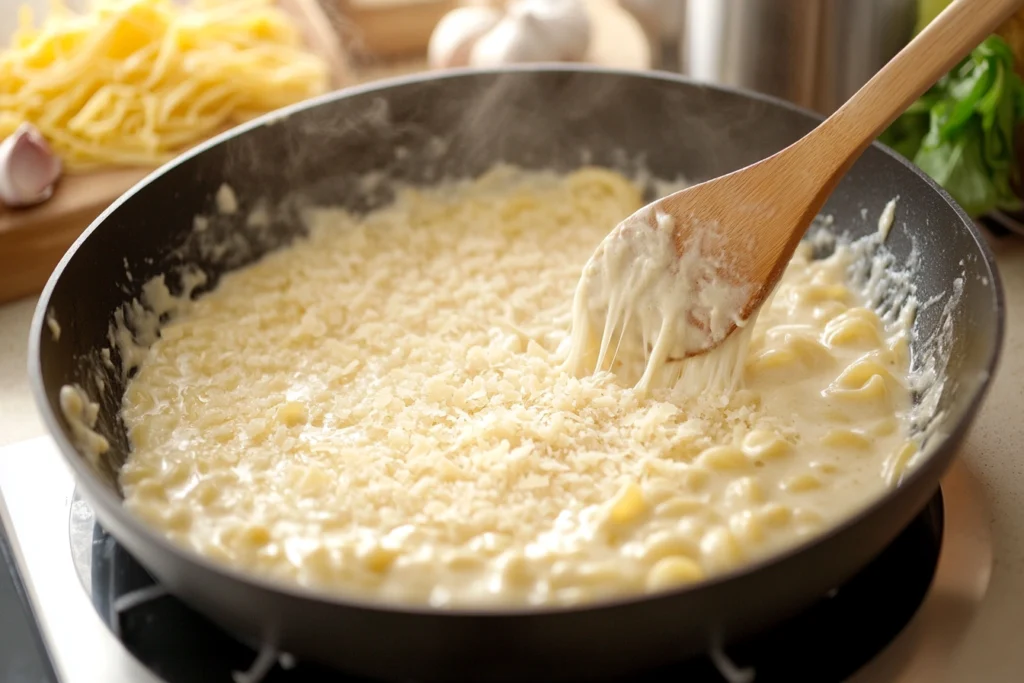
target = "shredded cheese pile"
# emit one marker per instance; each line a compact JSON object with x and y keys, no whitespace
{"x":134,"y":82}
{"x":384,"y":409}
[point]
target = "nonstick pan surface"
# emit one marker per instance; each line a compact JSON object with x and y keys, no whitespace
{"x":459,"y":124}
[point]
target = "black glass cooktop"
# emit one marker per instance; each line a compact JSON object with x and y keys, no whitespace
{"x":828,"y":642}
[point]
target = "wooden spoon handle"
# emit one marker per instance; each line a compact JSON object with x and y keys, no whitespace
{"x":936,"y":50}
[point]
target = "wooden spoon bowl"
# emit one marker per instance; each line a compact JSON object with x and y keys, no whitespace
{"x":746,"y":225}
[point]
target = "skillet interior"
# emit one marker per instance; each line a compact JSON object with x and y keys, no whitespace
{"x":419,"y":130}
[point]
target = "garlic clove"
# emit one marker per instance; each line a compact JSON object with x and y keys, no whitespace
{"x":454,"y":36}
{"x":28,"y":168}
{"x":564,"y":23}
{"x":518,"y":37}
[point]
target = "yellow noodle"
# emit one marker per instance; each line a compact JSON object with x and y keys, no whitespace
{"x":138,"y":81}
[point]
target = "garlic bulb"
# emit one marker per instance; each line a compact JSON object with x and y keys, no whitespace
{"x":565,"y":23}
{"x":28,"y":168}
{"x":527,"y":31}
{"x":454,"y":36}
{"x":519,"y":37}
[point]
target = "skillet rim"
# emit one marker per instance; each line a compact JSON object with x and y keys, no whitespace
{"x":98,"y":496}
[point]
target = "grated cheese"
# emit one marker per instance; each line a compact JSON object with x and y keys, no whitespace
{"x":384,"y":409}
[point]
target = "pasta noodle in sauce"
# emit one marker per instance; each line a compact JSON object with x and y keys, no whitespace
{"x":383,"y":409}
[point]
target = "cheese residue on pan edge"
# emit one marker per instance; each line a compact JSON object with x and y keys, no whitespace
{"x":383,"y":409}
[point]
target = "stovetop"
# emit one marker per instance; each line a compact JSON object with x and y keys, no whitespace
{"x":103,"y":618}
{"x":22,"y":657}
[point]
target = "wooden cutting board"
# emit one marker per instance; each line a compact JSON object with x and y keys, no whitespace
{"x":389,"y":29}
{"x":33,"y":240}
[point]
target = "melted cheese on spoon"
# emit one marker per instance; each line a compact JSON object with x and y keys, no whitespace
{"x":641,"y":309}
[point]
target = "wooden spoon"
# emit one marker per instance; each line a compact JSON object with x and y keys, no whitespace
{"x":747,"y":224}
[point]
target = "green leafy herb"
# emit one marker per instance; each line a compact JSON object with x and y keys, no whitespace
{"x":961,"y":131}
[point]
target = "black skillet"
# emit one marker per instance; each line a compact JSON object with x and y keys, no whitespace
{"x":459,"y":123}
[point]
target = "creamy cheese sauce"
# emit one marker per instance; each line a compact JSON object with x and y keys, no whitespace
{"x":389,"y":409}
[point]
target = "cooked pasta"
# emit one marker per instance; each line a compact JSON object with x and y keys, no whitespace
{"x":383,"y":409}
{"x":134,"y":82}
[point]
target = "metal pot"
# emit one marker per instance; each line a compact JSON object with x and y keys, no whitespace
{"x":816,"y":53}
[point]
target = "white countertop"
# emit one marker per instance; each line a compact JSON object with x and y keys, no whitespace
{"x":18,"y":417}
{"x":992,"y":454}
